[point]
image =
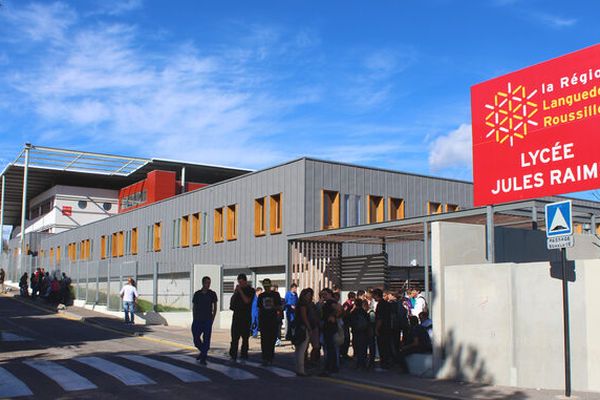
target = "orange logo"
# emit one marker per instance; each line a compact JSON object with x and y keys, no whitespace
{"x":511,"y":114}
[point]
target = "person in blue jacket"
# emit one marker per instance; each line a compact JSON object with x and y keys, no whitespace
{"x":291,"y":299}
{"x":255,"y":313}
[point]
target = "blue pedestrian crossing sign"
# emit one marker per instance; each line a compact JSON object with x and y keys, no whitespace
{"x":559,"y":219}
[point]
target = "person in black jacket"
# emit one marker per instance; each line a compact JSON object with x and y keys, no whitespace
{"x":241,"y":305}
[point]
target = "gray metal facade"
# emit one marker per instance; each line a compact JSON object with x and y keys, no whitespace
{"x":300,"y":183}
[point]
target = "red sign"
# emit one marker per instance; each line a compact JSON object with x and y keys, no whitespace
{"x":67,"y":211}
{"x":536,"y":132}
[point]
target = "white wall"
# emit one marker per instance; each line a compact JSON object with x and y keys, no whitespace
{"x":502,"y":323}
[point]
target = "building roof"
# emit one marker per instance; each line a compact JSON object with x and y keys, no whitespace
{"x":52,"y":166}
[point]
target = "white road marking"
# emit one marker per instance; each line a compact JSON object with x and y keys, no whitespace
{"x":10,"y":386}
{"x":284,"y":373}
{"x":184,"y":375}
{"x":233,"y":373}
{"x":67,"y":379}
{"x":13,"y":337}
{"x":125,"y":375}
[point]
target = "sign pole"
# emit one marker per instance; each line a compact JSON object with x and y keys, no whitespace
{"x":567,"y":339}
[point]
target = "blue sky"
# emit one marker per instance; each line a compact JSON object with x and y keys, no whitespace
{"x":255,"y":83}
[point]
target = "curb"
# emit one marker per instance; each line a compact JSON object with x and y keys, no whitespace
{"x":399,"y":389}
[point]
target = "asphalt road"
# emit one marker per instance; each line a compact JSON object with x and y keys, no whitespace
{"x":47,"y":356}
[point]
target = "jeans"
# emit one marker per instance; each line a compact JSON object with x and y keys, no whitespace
{"x":268,"y":337}
{"x":331,"y":351}
{"x":301,"y":353}
{"x":204,"y":329}
{"x":254,"y":325}
{"x":360,"y":342}
{"x":240,"y":328}
{"x":288,"y":326}
{"x":128,"y":308}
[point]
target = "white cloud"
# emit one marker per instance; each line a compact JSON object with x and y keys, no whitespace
{"x":40,"y":22}
{"x":185,"y":102}
{"x":452,"y":150}
{"x":555,"y":21}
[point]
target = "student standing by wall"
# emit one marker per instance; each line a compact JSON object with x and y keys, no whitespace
{"x":269,"y":306}
{"x":241,"y":305}
{"x":291,"y":299}
{"x":205,"y":310}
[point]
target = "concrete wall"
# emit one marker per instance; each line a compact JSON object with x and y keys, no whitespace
{"x":502,"y":323}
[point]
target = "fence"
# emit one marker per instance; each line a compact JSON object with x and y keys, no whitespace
{"x":99,"y":282}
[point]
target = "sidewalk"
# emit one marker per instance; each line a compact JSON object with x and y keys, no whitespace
{"x":433,"y":388}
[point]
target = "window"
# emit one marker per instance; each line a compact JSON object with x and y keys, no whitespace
{"x":51,"y":258}
{"x":218,"y":233}
{"x":359,"y":211}
{"x":58,"y":254}
{"x":134,"y":241}
{"x":375,"y":210}
{"x":275,"y":213}
{"x":176,"y":230}
{"x":195,"y":229}
{"x":102,"y":247}
{"x":451,"y":207}
{"x":260,"y":217}
{"x":114,"y":252}
{"x":330,"y":209}
{"x":346,"y":212}
{"x":149,"y":238}
{"x":396,"y":209}
{"x":204,"y":227}
{"x":82,"y":204}
{"x":72,"y":252}
{"x":232,"y":222}
{"x":185,"y":231}
{"x":434,"y":208}
{"x":157,"y":230}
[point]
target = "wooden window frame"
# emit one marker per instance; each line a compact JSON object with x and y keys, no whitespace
{"x":218,"y":234}
{"x":58,"y":254}
{"x":276,"y":213}
{"x":451,"y":207}
{"x":232,"y":228}
{"x":157,"y":237}
{"x":379,"y":209}
{"x":120,"y":244}
{"x":184,"y":236}
{"x":103,"y":247}
{"x":334,"y":200}
{"x":134,"y":241}
{"x":196,"y":229}
{"x":436,"y":205}
{"x":114,"y":250}
{"x":396,"y":212}
{"x":260,"y":216}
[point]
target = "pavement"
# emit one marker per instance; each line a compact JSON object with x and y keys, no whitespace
{"x":83,"y":354}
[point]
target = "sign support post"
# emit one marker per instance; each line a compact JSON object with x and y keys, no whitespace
{"x":566,"y":323}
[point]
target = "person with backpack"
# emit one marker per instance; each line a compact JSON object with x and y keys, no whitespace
{"x":420,"y":304}
{"x":359,"y":322}
{"x":23,"y":286}
{"x":301,"y":329}
{"x":269,"y":318}
{"x":347,"y":308}
{"x":241,"y":324}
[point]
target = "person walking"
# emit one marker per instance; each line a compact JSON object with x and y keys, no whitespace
{"x":241,"y":305}
{"x":302,"y":329}
{"x":129,"y":295}
{"x":2,"y":276}
{"x":255,"y":326}
{"x":269,"y":317}
{"x":291,"y":299}
{"x":204,"y":313}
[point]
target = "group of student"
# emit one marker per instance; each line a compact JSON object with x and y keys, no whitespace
{"x":55,"y":287}
{"x":372,"y":323}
